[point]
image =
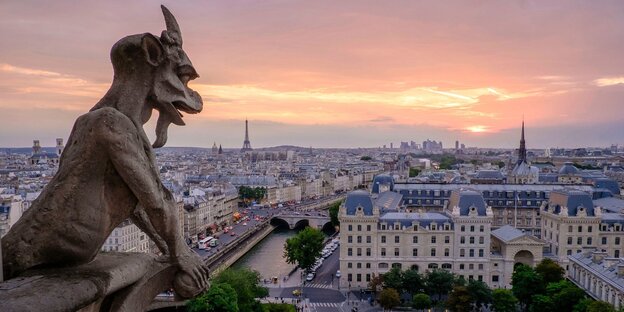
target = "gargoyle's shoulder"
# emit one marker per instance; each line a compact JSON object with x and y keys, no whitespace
{"x":106,"y":120}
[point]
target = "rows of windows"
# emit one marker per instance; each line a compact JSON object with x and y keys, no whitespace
{"x":430,"y":227}
{"x":471,"y":266}
{"x":605,"y":240}
{"x":471,"y":253}
{"x":471,"y":240}
{"x":359,"y":227}
{"x":579,"y":240}
{"x":358,"y":252}
{"x":472,"y":228}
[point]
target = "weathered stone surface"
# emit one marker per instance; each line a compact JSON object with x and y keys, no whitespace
{"x":107,"y":173}
{"x":69,"y":289}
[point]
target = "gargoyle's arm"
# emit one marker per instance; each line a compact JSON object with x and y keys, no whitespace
{"x":129,"y":155}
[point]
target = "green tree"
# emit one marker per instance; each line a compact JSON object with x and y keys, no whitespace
{"x":600,"y":306}
{"x":421,"y":301}
{"x":333,"y":213}
{"x":550,"y":271}
{"x":565,"y":295}
{"x":439,"y":283}
{"x":503,"y":300}
{"x":447,"y":161}
{"x":246,"y":283}
{"x":583,"y":305}
{"x":259,"y":193}
{"x":393,"y":279}
{"x":389,"y":298}
{"x":541,"y":303}
{"x":366,"y":158}
{"x":304,"y":248}
{"x":278,"y":307}
{"x":414,"y":172}
{"x":526,"y":283}
{"x":375,"y":283}
{"x":459,"y":300}
{"x":480,"y":292}
{"x":501,"y":164}
{"x":219,"y":297}
{"x":412,"y":282}
{"x":248,"y":194}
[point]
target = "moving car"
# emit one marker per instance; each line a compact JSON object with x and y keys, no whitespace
{"x":310,"y":277}
{"x":338,"y":273}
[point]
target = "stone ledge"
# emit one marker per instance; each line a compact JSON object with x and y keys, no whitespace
{"x":112,"y":281}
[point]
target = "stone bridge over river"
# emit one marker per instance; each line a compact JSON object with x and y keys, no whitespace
{"x":298,"y":221}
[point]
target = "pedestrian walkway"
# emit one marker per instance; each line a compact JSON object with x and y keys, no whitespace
{"x":318,"y":285}
{"x":326,"y":304}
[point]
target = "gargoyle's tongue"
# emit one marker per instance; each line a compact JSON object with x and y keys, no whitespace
{"x":162,"y":127}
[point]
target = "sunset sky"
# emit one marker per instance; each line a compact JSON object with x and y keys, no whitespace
{"x":334,"y":73}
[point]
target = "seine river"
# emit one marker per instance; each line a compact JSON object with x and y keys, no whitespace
{"x":267,"y":256}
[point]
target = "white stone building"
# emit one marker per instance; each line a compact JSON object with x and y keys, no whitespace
{"x":601,"y":276}
{"x":127,"y":237}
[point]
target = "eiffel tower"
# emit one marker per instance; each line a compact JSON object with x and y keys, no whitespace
{"x":246,"y":144}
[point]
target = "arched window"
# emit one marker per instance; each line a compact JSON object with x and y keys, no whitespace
{"x":383,"y":265}
{"x":447,"y":266}
{"x":397,"y":265}
{"x":433,"y":265}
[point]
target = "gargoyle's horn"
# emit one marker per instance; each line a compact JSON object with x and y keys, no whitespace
{"x":172,"y":25}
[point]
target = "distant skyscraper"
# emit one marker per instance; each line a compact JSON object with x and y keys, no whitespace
{"x":246,"y":143}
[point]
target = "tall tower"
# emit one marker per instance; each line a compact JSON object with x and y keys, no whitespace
{"x":246,"y":143}
{"x":59,"y":146}
{"x":522,"y":153}
{"x":36,"y":147}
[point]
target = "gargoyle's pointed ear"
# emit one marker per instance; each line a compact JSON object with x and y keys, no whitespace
{"x":154,"y":51}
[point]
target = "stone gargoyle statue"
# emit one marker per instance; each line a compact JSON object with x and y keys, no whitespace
{"x":107,"y":172}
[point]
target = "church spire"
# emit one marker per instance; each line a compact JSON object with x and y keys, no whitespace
{"x":522,"y":153}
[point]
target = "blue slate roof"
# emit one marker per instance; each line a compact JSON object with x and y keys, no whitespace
{"x":466,"y":200}
{"x":568,"y":168}
{"x":358,"y":199}
{"x":507,"y":233}
{"x":608,"y":184}
{"x":388,"y":201}
{"x":549,"y":177}
{"x":612,"y":218}
{"x":489,"y":174}
{"x":610,"y":204}
{"x":382,"y":179}
{"x":423,"y":219}
{"x":606,"y":273}
{"x":572,"y":199}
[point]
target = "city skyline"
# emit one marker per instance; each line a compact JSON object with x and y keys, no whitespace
{"x":325,"y":74}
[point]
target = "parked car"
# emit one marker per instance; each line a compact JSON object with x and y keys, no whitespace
{"x":338,"y":273}
{"x":310,"y":277}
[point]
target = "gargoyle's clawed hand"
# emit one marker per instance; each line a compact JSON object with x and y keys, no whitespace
{"x":191,"y":264}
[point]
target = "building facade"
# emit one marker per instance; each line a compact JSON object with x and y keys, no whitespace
{"x":377,"y":236}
